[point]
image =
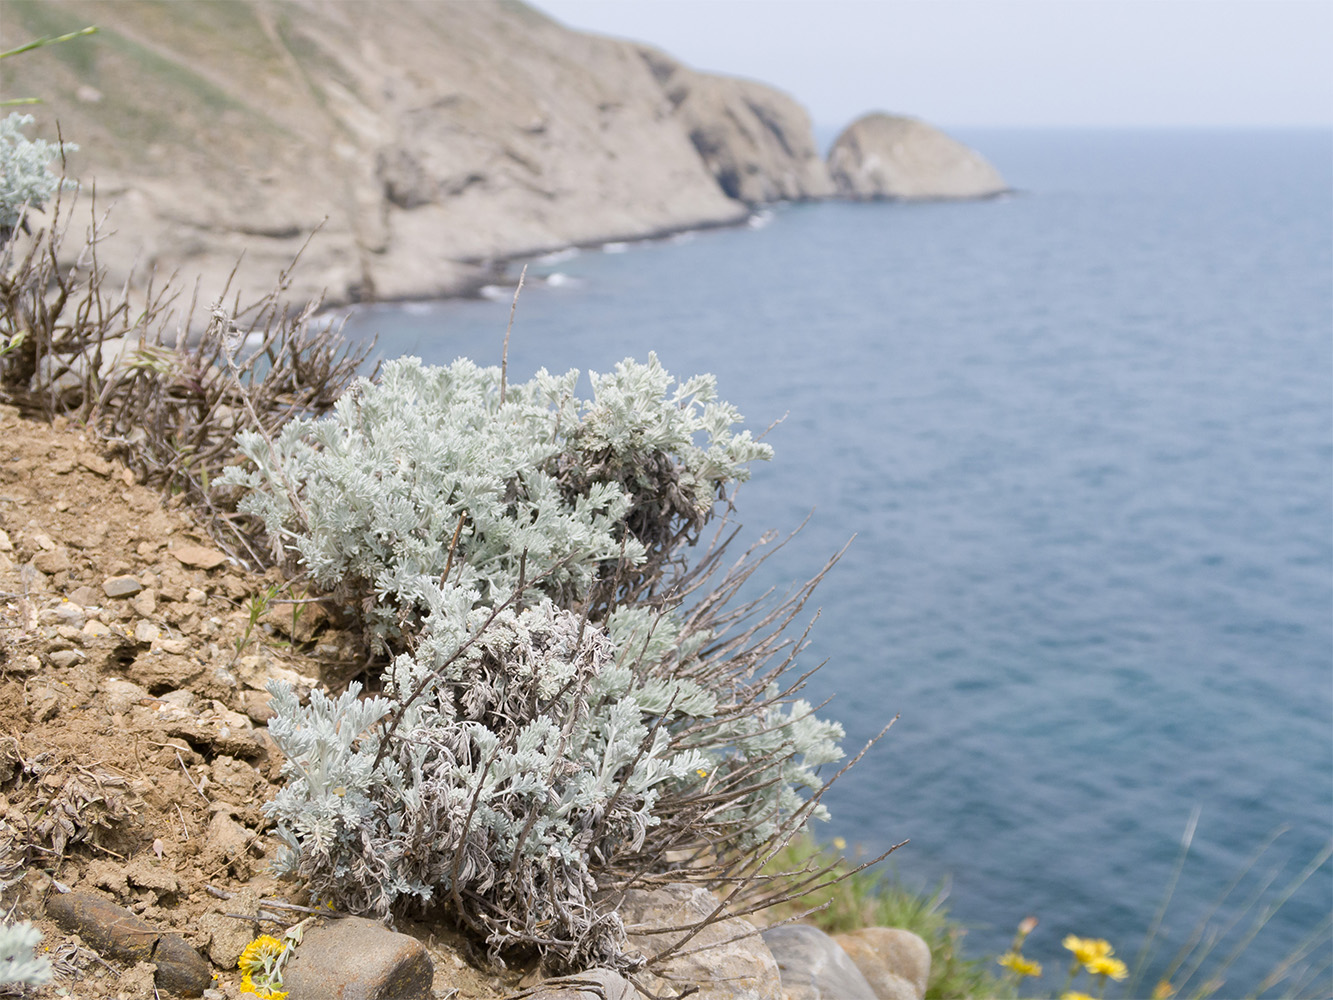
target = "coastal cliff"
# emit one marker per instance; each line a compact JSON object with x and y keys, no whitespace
{"x":423,"y":141}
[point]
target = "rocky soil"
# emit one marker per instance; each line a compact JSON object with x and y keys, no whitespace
{"x":133,"y":759}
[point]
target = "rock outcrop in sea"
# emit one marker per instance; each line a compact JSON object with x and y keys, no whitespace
{"x":892,"y":156}
{"x":422,"y":141}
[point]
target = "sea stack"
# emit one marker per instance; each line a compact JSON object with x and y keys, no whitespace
{"x":893,"y":156}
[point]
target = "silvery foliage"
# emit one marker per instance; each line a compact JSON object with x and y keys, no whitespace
{"x":520,"y":746}
{"x":19,"y":963}
{"x":24,"y":179}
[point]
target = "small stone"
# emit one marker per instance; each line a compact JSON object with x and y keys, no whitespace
{"x":5,"y":544}
{"x":195,"y":596}
{"x":177,"y":647}
{"x":895,"y":962}
{"x":66,"y":658}
{"x":145,"y":602}
{"x":70,"y":613}
{"x":84,"y":597}
{"x":595,"y":984}
{"x":256,"y":705}
{"x":43,"y":541}
{"x":229,"y":936}
{"x":121,"y":586}
{"x":158,"y":671}
{"x":199,"y":557}
{"x":117,"y":933}
{"x":95,"y":463}
{"x":96,"y":629}
{"x":356,"y":957}
{"x":149,"y":547}
{"x":813,"y":967}
{"x":120,"y":694}
{"x":180,"y":698}
{"x":146,"y":633}
{"x":55,"y":561}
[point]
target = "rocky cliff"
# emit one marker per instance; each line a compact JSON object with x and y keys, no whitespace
{"x":426,"y":139}
{"x":892,"y":156}
{"x":423,"y":140}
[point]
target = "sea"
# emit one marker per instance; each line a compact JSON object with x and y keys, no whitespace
{"x":1080,"y":438}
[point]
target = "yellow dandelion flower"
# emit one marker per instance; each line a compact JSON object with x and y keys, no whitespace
{"x":839,"y":844}
{"x":1104,"y":965}
{"x":1020,"y":965}
{"x":1075,"y":995}
{"x":260,"y":954}
{"x":1088,"y":949}
{"x":701,"y":772}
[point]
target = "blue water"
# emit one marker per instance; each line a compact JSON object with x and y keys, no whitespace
{"x":1084,"y":439}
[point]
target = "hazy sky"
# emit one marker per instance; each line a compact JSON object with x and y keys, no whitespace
{"x":1005,"y":62}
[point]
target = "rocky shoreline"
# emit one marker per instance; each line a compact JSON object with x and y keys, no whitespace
{"x":414,"y":146}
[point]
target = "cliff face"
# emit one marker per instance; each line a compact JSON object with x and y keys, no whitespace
{"x":424,"y":138}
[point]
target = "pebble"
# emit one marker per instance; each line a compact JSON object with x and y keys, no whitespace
{"x":5,"y":544}
{"x":96,"y":628}
{"x":95,"y":463}
{"x":53,"y":561}
{"x":356,"y":957}
{"x":146,"y":633}
{"x":121,"y":586}
{"x":116,"y":932}
{"x":66,"y":658}
{"x":198,"y":557}
{"x":595,"y":984}
{"x":84,"y":597}
{"x":145,"y":602}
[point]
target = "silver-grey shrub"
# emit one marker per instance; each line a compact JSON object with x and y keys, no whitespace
{"x":25,"y":180}
{"x":556,"y":719}
{"x":19,"y":963}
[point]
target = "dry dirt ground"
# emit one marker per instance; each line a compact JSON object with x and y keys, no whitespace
{"x":133,"y":757}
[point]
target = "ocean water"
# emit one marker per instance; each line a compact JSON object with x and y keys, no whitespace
{"x":1083,"y":437}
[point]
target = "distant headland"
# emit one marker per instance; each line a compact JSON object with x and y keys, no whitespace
{"x":426,"y":142}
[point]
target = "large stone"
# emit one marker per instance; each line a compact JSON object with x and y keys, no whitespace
{"x":895,"y":962}
{"x":115,"y":932}
{"x":813,"y":967}
{"x":358,"y":959}
{"x":890,"y":156}
{"x":727,"y":960}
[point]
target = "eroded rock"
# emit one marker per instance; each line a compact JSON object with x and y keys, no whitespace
{"x":115,"y":932}
{"x":895,"y":962}
{"x":728,"y":960}
{"x":813,"y":967}
{"x":357,"y":959}
{"x":892,"y":156}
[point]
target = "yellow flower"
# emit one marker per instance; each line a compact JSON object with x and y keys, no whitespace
{"x":701,"y":772}
{"x":839,"y":844}
{"x":260,"y":954}
{"x":1163,"y":991}
{"x":1088,"y":949}
{"x":263,"y":992}
{"x":1022,"y":966}
{"x":1075,"y":995}
{"x":1104,"y":965}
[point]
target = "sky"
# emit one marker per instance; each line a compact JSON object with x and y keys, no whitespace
{"x":1005,"y":63}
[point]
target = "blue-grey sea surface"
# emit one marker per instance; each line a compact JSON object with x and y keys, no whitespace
{"x":1084,"y":438}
